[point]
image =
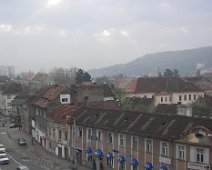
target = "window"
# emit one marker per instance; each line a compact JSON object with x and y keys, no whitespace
{"x":194,"y":96}
{"x":148,"y":145}
{"x":66,"y":135}
{"x":8,"y":104}
{"x":60,"y":135}
{"x":89,"y":157}
{"x":185,"y":97}
{"x":121,"y":140}
{"x":161,"y":99}
{"x":65,"y":98}
{"x":180,"y":98}
{"x":53,"y":133}
{"x":89,"y":134}
{"x":110,"y":162}
{"x":200,"y":155}
{"x":135,"y":142}
{"x":165,"y":99}
{"x":122,"y":165}
{"x":80,"y":132}
{"x":134,"y":167}
{"x":189,"y":97}
{"x":37,"y":111}
{"x":99,"y":135}
{"x":109,"y":138}
{"x":181,"y":152}
{"x":49,"y":131}
{"x":164,"y":148}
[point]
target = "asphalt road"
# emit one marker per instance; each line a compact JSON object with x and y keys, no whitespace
{"x":17,"y":154}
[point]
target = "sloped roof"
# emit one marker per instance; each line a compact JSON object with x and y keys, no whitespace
{"x":59,"y":115}
{"x":160,"y":84}
{"x":166,"y":108}
{"x":107,"y":91}
{"x":201,"y":82}
{"x":52,"y":93}
{"x":29,"y":77}
{"x":131,"y":86}
{"x":105,"y":105}
{"x":138,"y":123}
{"x":42,"y":77}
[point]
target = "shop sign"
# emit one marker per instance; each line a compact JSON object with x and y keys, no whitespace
{"x":198,"y":166}
{"x":165,"y":160}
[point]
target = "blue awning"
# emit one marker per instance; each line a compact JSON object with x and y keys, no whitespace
{"x":109,"y":155}
{"x":148,"y":166}
{"x":88,"y":150}
{"x":163,"y":168}
{"x":134,"y":162}
{"x":98,"y":152}
{"x":121,"y":158}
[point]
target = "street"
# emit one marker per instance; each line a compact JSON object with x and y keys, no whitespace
{"x":33,"y":156}
{"x":17,"y":154}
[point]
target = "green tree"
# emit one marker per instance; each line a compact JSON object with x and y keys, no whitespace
{"x":168,"y":73}
{"x":176,"y":72}
{"x":82,"y":76}
{"x":199,"y":108}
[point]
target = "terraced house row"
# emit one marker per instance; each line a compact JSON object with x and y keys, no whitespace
{"x":84,"y":124}
{"x":118,"y":139}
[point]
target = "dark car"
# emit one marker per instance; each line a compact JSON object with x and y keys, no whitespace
{"x":13,"y":125}
{"x":21,"y":141}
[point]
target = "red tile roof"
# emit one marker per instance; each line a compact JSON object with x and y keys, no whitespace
{"x":52,"y":93}
{"x":42,"y":77}
{"x":29,"y":77}
{"x":160,"y":84}
{"x":139,"y":123}
{"x":59,"y":115}
{"x":130,"y":88}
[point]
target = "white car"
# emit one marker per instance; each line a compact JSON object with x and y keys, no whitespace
{"x":22,"y":167}
{"x":4,"y":159}
{"x":2,"y":150}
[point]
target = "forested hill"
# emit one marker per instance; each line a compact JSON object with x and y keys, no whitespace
{"x":186,"y":61}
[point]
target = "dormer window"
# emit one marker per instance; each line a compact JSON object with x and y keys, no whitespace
{"x":65,"y":99}
{"x":200,"y":135}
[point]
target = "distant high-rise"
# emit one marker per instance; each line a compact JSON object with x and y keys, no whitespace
{"x":7,"y":71}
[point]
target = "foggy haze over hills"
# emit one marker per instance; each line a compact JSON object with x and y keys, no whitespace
{"x":186,"y":61}
{"x":41,"y":34}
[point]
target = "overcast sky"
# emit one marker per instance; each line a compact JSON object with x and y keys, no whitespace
{"x":42,"y":34}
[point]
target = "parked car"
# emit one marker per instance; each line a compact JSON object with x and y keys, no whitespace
{"x":22,"y":167}
{"x":2,"y":150}
{"x":13,"y":125}
{"x":21,"y":141}
{"x":4,"y":159}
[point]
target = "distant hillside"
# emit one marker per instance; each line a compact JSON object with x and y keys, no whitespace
{"x":186,"y":61}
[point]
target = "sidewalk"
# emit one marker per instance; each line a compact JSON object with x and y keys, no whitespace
{"x":37,"y":153}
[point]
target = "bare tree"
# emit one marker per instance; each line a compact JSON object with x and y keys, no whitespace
{"x":64,"y":75}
